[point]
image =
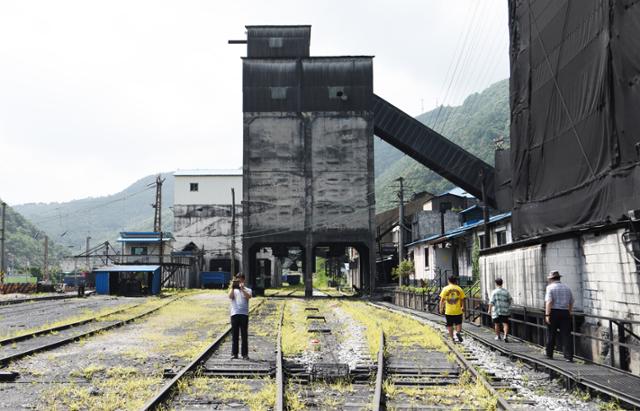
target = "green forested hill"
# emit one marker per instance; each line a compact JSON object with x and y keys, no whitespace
{"x":24,"y":246}
{"x":474,"y":125}
{"x":102,"y":218}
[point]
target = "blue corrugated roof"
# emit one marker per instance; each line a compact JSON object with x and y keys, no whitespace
{"x":457,"y":232}
{"x":127,"y":268}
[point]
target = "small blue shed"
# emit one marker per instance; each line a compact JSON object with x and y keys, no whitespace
{"x":128,"y":280}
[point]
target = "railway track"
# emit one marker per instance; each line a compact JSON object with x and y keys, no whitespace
{"x":17,"y":347}
{"x":41,"y":298}
{"x":213,"y":378}
{"x":426,"y":379}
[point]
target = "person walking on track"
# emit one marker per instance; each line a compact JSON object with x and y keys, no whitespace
{"x":239,"y":295}
{"x":500,"y":309}
{"x":557,"y":314}
{"x":452,"y":304}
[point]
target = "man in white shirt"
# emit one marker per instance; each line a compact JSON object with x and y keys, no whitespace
{"x":239,"y":296}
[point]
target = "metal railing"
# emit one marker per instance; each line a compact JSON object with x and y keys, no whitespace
{"x":528,"y":324}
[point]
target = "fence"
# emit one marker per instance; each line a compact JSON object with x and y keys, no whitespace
{"x":528,"y":324}
{"x":18,"y":288}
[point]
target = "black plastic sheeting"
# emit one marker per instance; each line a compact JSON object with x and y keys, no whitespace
{"x":575,"y":113}
{"x":308,"y":84}
{"x":432,"y":149}
{"x":278,"y":41}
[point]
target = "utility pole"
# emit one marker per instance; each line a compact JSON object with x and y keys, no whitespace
{"x":401,"y":225}
{"x":45,"y":271}
{"x":3,"y":263}
{"x":233,"y":232}
{"x":87,"y":252}
{"x":485,"y":214}
{"x":157,"y":218}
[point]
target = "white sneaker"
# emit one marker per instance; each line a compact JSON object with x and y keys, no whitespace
{"x":497,"y":338}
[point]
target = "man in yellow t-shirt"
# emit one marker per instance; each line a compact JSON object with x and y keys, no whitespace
{"x":452,"y":304}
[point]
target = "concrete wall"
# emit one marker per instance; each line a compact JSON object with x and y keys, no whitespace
{"x":211,"y":189}
{"x":523,"y":273}
{"x":309,"y":174}
{"x":427,"y":223}
{"x":208,"y":227}
{"x":274,"y":172}
{"x":597,"y":267}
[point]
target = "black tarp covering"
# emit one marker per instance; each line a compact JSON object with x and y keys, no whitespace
{"x":575,"y":113}
{"x":343,"y":83}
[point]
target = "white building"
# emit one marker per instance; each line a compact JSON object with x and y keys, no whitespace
{"x":440,"y":255}
{"x":202,"y":213}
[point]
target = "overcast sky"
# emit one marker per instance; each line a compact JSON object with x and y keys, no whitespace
{"x":97,"y":94}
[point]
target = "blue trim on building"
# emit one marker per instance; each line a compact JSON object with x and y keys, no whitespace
{"x":457,"y":232}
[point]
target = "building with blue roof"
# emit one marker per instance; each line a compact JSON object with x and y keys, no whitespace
{"x":438,"y":256}
{"x":143,"y":247}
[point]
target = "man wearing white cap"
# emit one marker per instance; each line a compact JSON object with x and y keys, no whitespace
{"x":557,"y":314}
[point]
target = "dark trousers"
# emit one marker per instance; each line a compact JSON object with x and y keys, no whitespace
{"x":240,"y":326}
{"x":560,"y":320}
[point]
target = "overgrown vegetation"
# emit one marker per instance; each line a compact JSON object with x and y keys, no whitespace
{"x":257,"y":395}
{"x":25,"y":246}
{"x":174,"y":334}
{"x":466,"y":394}
{"x":401,"y":331}
{"x":405,"y":270}
{"x":295,"y":337}
{"x":475,"y":259}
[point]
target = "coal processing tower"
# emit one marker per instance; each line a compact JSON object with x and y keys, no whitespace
{"x":308,"y":153}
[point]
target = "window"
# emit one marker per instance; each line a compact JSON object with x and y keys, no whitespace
{"x":139,"y":250}
{"x":426,"y":257}
{"x":193,"y":186}
{"x":276,"y":42}
{"x":278,"y":93}
{"x":481,"y":241}
{"x":501,"y":237}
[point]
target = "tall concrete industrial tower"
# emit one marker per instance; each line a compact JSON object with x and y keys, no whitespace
{"x":308,"y":153}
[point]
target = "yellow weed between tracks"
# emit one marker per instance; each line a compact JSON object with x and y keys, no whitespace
{"x":132,"y":368}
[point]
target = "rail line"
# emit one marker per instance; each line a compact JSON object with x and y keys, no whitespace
{"x":48,"y":330}
{"x":620,"y":386}
{"x":57,"y":342}
{"x":4,"y":303}
{"x":199,"y":366}
{"x":430,"y":371}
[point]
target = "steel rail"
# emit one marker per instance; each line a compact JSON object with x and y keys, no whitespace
{"x":68,"y":340}
{"x":501,"y":402}
{"x":378,"y":397}
{"x":280,"y":398}
{"x":36,"y":333}
{"x":558,"y":369}
{"x":561,"y":371}
{"x":168,"y":389}
{"x":4,"y":303}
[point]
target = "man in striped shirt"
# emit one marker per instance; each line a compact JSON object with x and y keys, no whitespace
{"x":500,"y":309}
{"x":557,"y":314}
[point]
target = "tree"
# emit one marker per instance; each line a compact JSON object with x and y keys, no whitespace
{"x":475,"y":259}
{"x":403,"y":271}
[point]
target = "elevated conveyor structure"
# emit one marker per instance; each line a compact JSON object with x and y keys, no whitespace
{"x":432,"y":150}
